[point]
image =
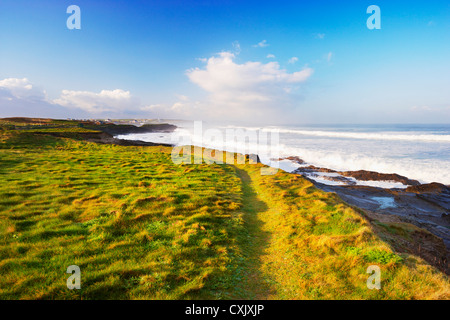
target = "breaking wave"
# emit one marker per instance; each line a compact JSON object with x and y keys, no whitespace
{"x":420,"y":155}
{"x":366,"y":135}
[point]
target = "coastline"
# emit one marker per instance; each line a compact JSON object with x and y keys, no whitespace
{"x":102,"y":195}
{"x":425,"y":206}
{"x":423,"y":210}
{"x":110,"y":131}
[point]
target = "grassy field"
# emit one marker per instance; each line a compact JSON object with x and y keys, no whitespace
{"x":141,"y":227}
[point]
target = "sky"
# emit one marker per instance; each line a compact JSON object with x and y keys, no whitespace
{"x":269,"y":62}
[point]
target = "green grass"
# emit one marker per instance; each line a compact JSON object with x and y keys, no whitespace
{"x":137,"y":225}
{"x":141,"y":227}
{"x":317,"y":247}
{"x":60,"y":130}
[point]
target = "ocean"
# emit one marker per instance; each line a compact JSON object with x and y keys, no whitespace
{"x":420,"y":152}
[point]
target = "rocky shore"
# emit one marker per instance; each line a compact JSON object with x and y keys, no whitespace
{"x":106,"y":133}
{"x":120,"y":129}
{"x":345,"y":177}
{"x":426,"y":206}
{"x":106,"y":138}
{"x":111,"y":130}
{"x":427,"y":210}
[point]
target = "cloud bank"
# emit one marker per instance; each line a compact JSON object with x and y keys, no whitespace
{"x":293,"y":60}
{"x":250,"y":91}
{"x":19,"y":97}
{"x":96,"y":103}
{"x":21,"y":89}
{"x":261,"y":44}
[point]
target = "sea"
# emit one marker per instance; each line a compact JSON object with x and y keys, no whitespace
{"x":416,"y":151}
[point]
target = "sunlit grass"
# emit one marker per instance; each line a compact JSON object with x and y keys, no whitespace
{"x":136,"y":224}
{"x":141,"y":227}
{"x":320,"y":248}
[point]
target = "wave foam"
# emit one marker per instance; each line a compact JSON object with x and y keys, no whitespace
{"x":349,"y":156}
{"x":366,"y":136}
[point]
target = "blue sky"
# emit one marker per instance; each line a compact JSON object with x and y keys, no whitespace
{"x":271,"y":61}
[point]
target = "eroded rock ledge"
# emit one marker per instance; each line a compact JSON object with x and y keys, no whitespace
{"x":421,"y":209}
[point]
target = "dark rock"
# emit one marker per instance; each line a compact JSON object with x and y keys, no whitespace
{"x":342,"y":179}
{"x":376,"y":176}
{"x":293,"y":159}
{"x":433,"y":187}
{"x":114,"y":129}
{"x":104,"y":138}
{"x":435,"y":193}
{"x":313,"y":169}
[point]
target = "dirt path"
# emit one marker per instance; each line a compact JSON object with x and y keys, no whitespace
{"x":253,"y":243}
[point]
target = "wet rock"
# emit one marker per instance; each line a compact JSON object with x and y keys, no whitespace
{"x":435,"y":193}
{"x":342,"y":179}
{"x":293,"y":159}
{"x":425,"y":210}
{"x":433,"y":187}
{"x":313,"y":169}
{"x":376,"y":176}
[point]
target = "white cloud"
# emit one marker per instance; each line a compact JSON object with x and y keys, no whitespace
{"x":293,"y":60}
{"x":223,"y":74}
{"x":270,"y":56}
{"x":247,"y":91}
{"x":15,"y":83}
{"x":262,"y":44}
{"x":320,"y":35}
{"x":329,"y":56}
{"x":182,"y":97}
{"x":22,"y":89}
{"x":151,"y":107}
{"x":19,"y":97}
{"x":104,"y":101}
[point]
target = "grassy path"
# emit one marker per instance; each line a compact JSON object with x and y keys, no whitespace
{"x":253,"y":243}
{"x":302,"y":243}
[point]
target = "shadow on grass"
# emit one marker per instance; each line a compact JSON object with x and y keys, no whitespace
{"x":253,"y":242}
{"x":21,"y":140}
